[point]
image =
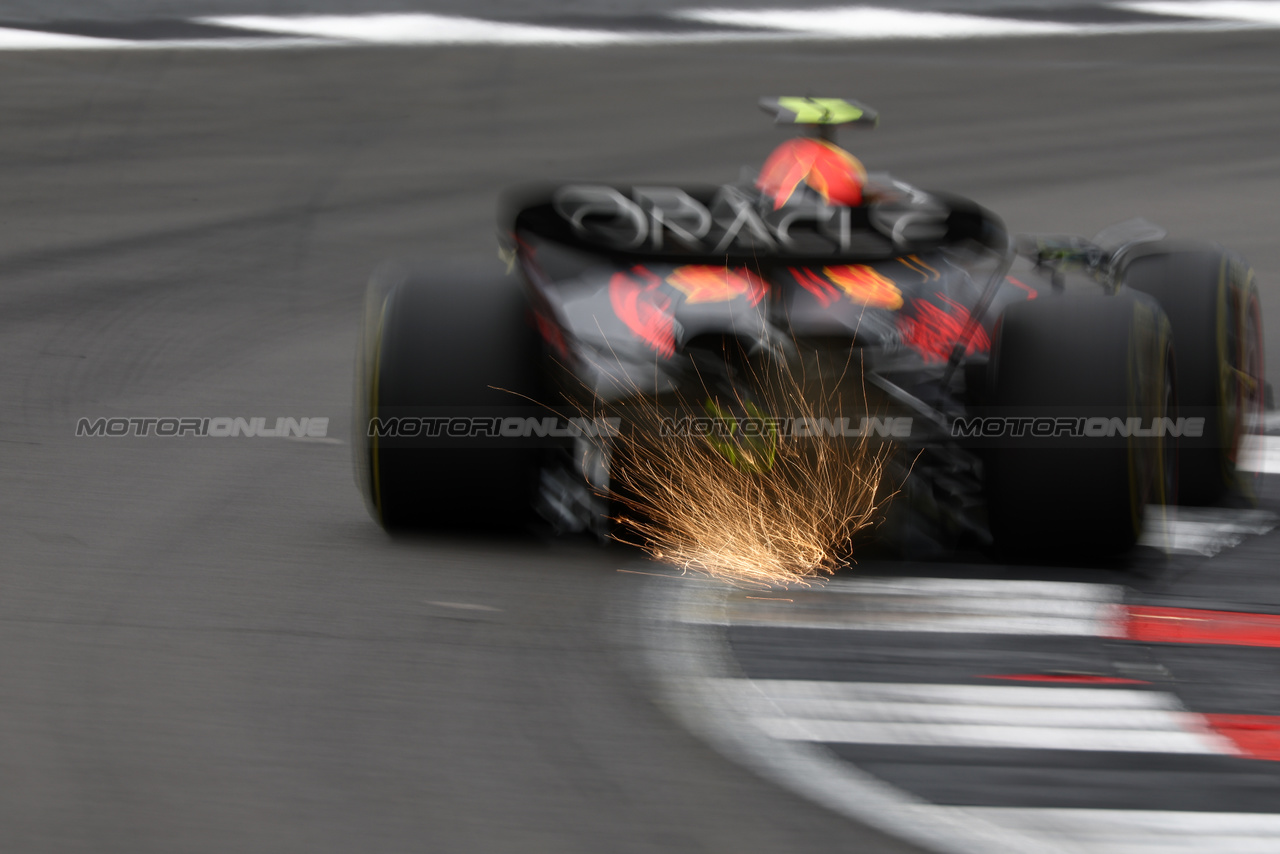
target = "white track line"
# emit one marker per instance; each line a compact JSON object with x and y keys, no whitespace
{"x":1142,"y":831}
{"x":1260,"y":453}
{"x":982,"y":606}
{"x":1003,"y":621}
{"x":415,"y":29}
{"x":1265,"y":12}
{"x":854,"y":23}
{"x":976,"y":588}
{"x":1004,"y":716}
{"x":871,"y":23}
{"x":1203,"y":530}
{"x":730,"y":712}
{"x":13,"y":39}
{"x":1021,"y":696}
{"x":860,"y":23}
{"x":1168,"y":739}
{"x":33,"y":40}
{"x":684,"y":659}
{"x":865,"y":23}
{"x":934,"y":605}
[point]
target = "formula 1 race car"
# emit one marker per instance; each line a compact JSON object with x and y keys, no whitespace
{"x":1036,"y":392}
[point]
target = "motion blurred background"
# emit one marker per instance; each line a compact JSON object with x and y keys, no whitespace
{"x":208,"y":645}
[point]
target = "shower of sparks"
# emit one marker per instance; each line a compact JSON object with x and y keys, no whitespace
{"x":762,"y":513}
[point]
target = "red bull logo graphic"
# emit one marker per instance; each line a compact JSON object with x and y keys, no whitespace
{"x":865,"y":285}
{"x":822,"y":290}
{"x":832,"y":172}
{"x":934,"y":330}
{"x":705,"y":283}
{"x":646,"y":310}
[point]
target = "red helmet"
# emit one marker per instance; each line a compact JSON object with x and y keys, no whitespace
{"x":824,"y":167}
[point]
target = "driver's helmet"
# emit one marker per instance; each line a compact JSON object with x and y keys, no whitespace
{"x":812,"y":167}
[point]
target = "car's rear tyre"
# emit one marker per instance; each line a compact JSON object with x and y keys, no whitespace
{"x":445,"y":347}
{"x":1090,"y":359}
{"x":1212,"y":304}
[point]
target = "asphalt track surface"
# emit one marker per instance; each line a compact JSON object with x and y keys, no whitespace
{"x":209,"y":645}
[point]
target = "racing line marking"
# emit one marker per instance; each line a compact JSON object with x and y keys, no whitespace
{"x":1014,"y":717}
{"x":689,"y":26}
{"x":1004,"y":716}
{"x":1203,"y":531}
{"x":1260,"y":453}
{"x":1141,"y":831}
{"x":788,"y":727}
{"x":1190,"y":625}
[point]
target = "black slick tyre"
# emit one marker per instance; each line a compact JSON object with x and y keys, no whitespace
{"x":440,"y":350}
{"x":1212,"y":304}
{"x":1097,"y":362}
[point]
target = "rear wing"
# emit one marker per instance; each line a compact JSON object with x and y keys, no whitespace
{"x":822,"y":115}
{"x":712,"y":225}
